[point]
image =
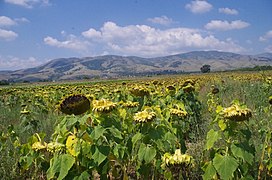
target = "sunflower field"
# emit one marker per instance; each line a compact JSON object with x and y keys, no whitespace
{"x":203,"y":126}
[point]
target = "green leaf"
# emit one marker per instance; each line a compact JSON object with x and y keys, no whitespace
{"x":100,"y":154}
{"x":54,"y":167}
{"x":60,"y":164}
{"x":225,"y":166}
{"x":119,"y":151}
{"x":150,"y":154}
{"x":136,"y":138}
{"x":66,"y":164}
{"x":222,"y":124}
{"x":97,"y":132}
{"x":116,"y":133}
{"x":212,"y":137}
{"x":241,"y":153}
{"x":83,"y":176}
{"x":169,"y":137}
{"x":210,"y":171}
{"x":146,"y":153}
{"x":219,"y":109}
{"x":141,"y":152}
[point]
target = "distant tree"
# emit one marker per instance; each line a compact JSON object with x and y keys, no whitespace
{"x":4,"y":82}
{"x":205,"y":68}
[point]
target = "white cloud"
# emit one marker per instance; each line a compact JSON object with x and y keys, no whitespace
{"x":163,"y":20}
{"x":28,"y":3}
{"x":199,"y":6}
{"x":91,"y":34}
{"x":228,"y":11}
{"x":23,"y":20}
{"x":225,"y":25}
{"x":6,"y":21}
{"x":268,"y":35}
{"x":7,"y":35}
{"x":142,"y":40}
{"x":72,"y":42}
{"x":14,"y":63}
{"x":268,"y":49}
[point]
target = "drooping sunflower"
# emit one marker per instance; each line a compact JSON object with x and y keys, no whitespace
{"x":214,"y":89}
{"x":176,"y":159}
{"x":139,"y":91}
{"x":103,"y":105}
{"x":144,"y":116}
{"x":75,"y":104}
{"x":130,"y":104}
{"x":237,"y":113}
{"x":178,"y":112}
{"x":188,"y":88}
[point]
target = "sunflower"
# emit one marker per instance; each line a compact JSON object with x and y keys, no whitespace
{"x":130,"y":104}
{"x":39,"y":146}
{"x":103,"y":105}
{"x":178,"y":112}
{"x":188,"y":88}
{"x":237,"y":113}
{"x":176,"y":159}
{"x":187,"y":82}
{"x":55,"y":147}
{"x":144,"y":116}
{"x":214,"y":89}
{"x":139,"y":91}
{"x":75,"y":104}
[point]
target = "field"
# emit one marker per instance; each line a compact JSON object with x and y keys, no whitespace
{"x":206,"y":126}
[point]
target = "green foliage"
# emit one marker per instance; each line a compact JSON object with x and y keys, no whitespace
{"x":184,"y":132}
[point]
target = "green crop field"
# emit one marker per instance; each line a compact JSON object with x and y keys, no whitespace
{"x":206,"y":126}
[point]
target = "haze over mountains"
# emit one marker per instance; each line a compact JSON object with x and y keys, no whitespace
{"x":112,"y":66}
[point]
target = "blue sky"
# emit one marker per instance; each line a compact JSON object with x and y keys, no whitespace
{"x":33,"y":32}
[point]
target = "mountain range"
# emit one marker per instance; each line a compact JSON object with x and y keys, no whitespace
{"x":112,"y":66}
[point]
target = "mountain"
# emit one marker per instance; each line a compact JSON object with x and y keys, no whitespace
{"x":111,"y":66}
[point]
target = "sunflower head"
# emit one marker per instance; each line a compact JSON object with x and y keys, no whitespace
{"x":189,"y":88}
{"x":178,"y":112}
{"x":103,"y":106}
{"x":237,"y":113}
{"x":139,"y":91}
{"x":130,"y":104}
{"x":39,"y":146}
{"x":171,"y":88}
{"x":187,"y":82}
{"x":75,"y":104}
{"x":214,"y":89}
{"x":176,"y":159}
{"x":155,"y":82}
{"x":144,"y":116}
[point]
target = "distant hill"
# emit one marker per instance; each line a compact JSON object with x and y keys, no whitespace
{"x":112,"y":66}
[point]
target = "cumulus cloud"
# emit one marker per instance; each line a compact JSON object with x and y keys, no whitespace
{"x":142,"y":40}
{"x":72,"y":42}
{"x":268,"y":35}
{"x":228,"y":11}
{"x":14,"y":63}
{"x":7,"y":35}
{"x":6,"y":21}
{"x":28,"y":3}
{"x":163,"y":20}
{"x":199,"y":6}
{"x":225,"y":25}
